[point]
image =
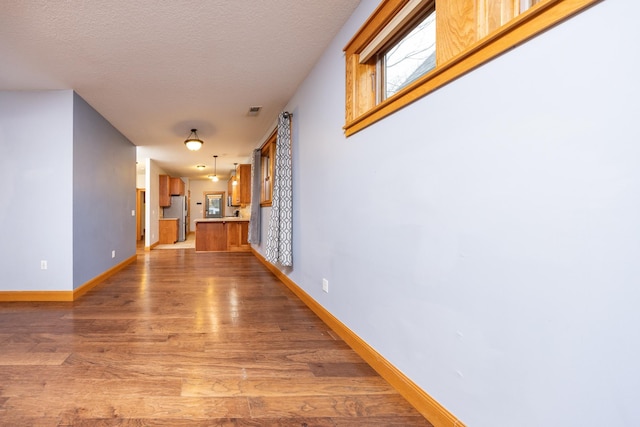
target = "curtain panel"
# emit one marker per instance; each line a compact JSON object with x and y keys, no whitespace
{"x":279,"y":239}
{"x":256,"y":188}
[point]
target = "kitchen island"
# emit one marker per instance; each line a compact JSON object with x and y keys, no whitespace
{"x":222,"y":234}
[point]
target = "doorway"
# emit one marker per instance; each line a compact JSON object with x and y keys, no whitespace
{"x":140,"y":214}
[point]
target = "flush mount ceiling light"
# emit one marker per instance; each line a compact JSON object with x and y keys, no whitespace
{"x":193,"y":143}
{"x":214,"y":178}
{"x":200,"y":167}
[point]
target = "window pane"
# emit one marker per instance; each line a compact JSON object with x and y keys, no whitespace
{"x":266,"y":176}
{"x":413,"y":56}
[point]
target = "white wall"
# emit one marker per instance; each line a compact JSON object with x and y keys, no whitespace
{"x":36,"y":171}
{"x":508,"y":286}
{"x":152,"y":208}
{"x":140,"y":180}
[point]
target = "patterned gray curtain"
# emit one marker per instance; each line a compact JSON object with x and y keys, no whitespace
{"x":280,"y":224}
{"x":254,"y":222}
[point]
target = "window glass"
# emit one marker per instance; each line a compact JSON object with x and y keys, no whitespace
{"x":266,"y":177}
{"x":266,"y":170}
{"x":411,"y":57}
{"x":213,"y":204}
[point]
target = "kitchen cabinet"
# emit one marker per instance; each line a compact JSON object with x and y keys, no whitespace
{"x":244,"y":183}
{"x":177,"y":187}
{"x":237,"y":236}
{"x":241,"y":192}
{"x":164,"y":191}
{"x":219,"y":235}
{"x":232,"y":191}
{"x":168,"y":230}
{"x":169,"y":187}
{"x":211,"y":236}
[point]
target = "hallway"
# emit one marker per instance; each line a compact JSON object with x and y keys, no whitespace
{"x":185,"y":339}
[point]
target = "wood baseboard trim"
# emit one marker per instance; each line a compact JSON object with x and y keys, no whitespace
{"x":35,"y":296}
{"x":437,"y":414}
{"x":86,"y":287}
{"x":153,"y":245}
{"x":63,"y":296}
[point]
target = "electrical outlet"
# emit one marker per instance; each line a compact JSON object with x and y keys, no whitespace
{"x":325,"y":285}
{"x":113,"y":254}
{"x":43,"y":265}
{"x":133,"y":212}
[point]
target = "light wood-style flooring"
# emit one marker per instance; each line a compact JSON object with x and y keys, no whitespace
{"x":186,"y":339}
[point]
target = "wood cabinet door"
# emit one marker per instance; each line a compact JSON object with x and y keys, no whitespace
{"x":233,"y":191}
{"x":244,"y":172}
{"x":177,"y":187}
{"x":237,"y":236}
{"x":168,"y":231}
{"x":164,"y":190}
{"x":211,"y":236}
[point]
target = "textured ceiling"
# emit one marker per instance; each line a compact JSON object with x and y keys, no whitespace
{"x":155,"y":69}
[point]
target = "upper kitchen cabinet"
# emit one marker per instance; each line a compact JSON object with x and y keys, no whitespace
{"x":240,"y":186}
{"x":232,"y":191}
{"x":177,"y":187}
{"x":165,"y":191}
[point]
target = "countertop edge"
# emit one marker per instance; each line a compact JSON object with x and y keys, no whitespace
{"x":229,"y":219}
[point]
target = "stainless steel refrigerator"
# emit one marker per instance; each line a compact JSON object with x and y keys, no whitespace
{"x":178,"y":209}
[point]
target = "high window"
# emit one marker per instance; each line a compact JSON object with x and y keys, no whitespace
{"x":268,"y":153}
{"x":409,"y":48}
{"x":412,"y":56}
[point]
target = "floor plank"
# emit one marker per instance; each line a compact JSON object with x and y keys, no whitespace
{"x":22,"y":359}
{"x":185,"y":339}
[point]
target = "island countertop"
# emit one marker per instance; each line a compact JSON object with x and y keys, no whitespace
{"x":224,"y":219}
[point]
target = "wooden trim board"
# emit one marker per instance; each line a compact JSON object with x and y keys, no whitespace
{"x":438,"y":415}
{"x":33,"y":296}
{"x":40,"y":296}
{"x":361,"y":109}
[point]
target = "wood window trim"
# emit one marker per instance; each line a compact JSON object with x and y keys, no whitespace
{"x":268,"y":149}
{"x":361,"y":109}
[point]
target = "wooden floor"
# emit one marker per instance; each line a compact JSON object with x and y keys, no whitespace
{"x":186,"y":339}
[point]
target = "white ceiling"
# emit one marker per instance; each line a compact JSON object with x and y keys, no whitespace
{"x":156,"y":69}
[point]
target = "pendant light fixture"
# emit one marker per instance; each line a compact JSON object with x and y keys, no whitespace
{"x":214,"y":178}
{"x":193,"y":143}
{"x":235,"y":174}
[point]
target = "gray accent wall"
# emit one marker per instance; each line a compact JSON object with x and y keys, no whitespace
{"x":507,"y":285}
{"x":104,"y":194}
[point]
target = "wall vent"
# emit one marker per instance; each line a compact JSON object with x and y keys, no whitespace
{"x":253,"y":111}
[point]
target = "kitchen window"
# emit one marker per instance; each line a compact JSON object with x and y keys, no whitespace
{"x":409,"y":48}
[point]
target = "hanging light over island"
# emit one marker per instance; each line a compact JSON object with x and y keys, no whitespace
{"x":214,"y":177}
